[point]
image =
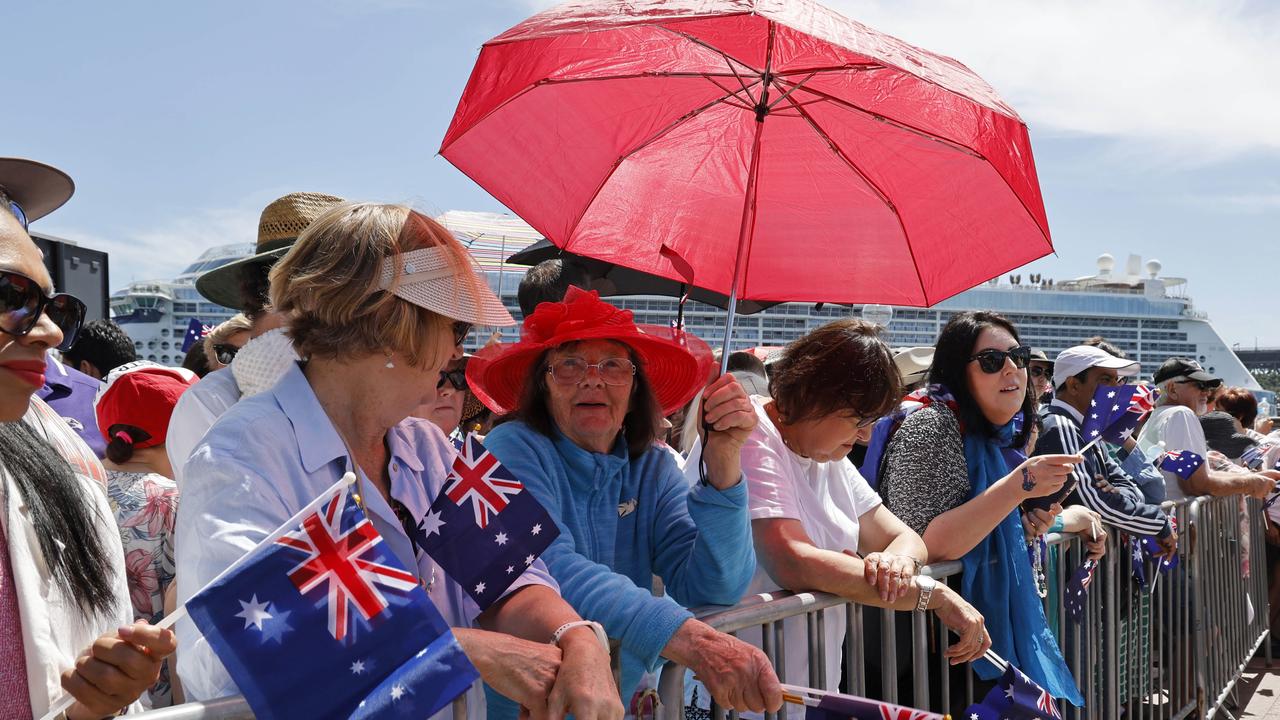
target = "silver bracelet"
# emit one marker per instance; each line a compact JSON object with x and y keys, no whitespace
{"x":596,"y":627}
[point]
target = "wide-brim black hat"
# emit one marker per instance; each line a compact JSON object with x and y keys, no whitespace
{"x":38,"y":188}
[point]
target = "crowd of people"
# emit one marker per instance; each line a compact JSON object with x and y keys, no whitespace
{"x":841,"y":466}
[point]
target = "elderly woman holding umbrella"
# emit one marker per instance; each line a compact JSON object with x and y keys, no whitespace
{"x":588,"y":388}
{"x":378,"y":300}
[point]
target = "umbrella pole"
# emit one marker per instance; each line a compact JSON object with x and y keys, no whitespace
{"x":745,"y":233}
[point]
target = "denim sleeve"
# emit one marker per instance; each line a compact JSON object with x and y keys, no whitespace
{"x":1145,"y":474}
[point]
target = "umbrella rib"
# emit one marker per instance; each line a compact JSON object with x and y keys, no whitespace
{"x":649,"y":141}
{"x":896,"y":123}
{"x":832,"y":68}
{"x":632,"y":76}
{"x":838,"y":152}
{"x":728,"y":58}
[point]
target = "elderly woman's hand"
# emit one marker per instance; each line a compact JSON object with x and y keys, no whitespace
{"x":738,"y":675}
{"x":727,"y":411}
{"x":584,"y":685}
{"x":892,"y":575}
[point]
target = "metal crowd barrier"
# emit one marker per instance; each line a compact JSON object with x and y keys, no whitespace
{"x":1170,"y":649}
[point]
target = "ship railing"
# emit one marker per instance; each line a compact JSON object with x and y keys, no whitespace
{"x":1168,"y":648}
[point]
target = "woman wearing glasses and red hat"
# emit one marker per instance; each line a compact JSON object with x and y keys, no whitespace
{"x":65,"y":618}
{"x":588,"y":389}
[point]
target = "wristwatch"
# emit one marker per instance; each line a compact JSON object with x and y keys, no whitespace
{"x":926,"y":585}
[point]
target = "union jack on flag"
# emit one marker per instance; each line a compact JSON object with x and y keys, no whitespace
{"x":479,"y":477}
{"x":1144,"y":399}
{"x":339,"y":560}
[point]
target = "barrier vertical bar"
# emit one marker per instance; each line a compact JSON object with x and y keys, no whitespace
{"x":1110,"y":635}
{"x":855,"y":654}
{"x":888,"y":655}
{"x":919,"y":661}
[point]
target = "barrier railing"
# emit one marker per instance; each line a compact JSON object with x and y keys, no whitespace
{"x":1171,"y":647}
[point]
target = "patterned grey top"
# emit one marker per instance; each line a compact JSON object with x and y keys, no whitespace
{"x":925,"y":473}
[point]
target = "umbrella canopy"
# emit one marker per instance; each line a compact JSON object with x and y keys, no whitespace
{"x":782,"y":151}
{"x":610,"y":279}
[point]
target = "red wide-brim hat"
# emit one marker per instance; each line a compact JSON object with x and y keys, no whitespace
{"x":676,"y":363}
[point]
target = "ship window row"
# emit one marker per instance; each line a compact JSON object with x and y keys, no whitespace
{"x":1161,"y":335}
{"x":1058,"y":320}
{"x":1160,"y":324}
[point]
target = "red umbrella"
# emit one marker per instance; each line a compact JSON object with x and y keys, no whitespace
{"x":773,"y":149}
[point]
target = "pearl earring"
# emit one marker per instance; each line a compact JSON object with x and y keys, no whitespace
{"x":389,"y":364}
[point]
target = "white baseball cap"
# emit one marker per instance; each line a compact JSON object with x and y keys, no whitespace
{"x":1075,"y":360}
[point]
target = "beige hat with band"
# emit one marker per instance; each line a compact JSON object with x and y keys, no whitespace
{"x":279,"y":226}
{"x":425,"y":278}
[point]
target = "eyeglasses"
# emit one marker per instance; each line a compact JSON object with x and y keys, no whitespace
{"x":866,"y":422}
{"x":992,"y":361}
{"x":14,"y":208}
{"x":1039,"y":371}
{"x":1204,"y":385}
{"x":225,"y":353}
{"x":22,"y":301}
{"x":573,"y":370}
{"x":456,"y":378}
{"x":460,"y":332}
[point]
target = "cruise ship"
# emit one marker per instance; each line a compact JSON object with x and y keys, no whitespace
{"x":156,"y":313}
{"x":1132,"y":304}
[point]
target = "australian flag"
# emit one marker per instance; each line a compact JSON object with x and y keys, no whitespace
{"x":483,"y":528}
{"x":195,"y":331}
{"x":1182,"y":463}
{"x":1015,"y":697}
{"x":322,"y":620}
{"x":834,"y":706}
{"x":1112,"y":413}
{"x":1077,"y":590}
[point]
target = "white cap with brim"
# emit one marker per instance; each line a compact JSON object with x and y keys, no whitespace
{"x":1075,"y":360}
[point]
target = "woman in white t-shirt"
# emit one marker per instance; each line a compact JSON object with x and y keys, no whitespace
{"x":816,"y":523}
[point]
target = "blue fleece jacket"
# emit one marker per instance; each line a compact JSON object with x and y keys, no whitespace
{"x":623,"y":520}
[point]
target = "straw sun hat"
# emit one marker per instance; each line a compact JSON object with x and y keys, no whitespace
{"x":676,"y":363}
{"x":278,"y":229}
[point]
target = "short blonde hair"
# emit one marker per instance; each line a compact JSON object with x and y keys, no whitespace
{"x":327,"y":285}
{"x":224,"y":330}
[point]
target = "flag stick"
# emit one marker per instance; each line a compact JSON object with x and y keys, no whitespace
{"x":67,"y":700}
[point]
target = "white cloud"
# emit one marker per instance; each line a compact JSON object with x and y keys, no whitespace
{"x":1190,"y":79}
{"x":163,"y":250}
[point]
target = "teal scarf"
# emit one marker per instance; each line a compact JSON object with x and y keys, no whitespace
{"x":999,"y":583}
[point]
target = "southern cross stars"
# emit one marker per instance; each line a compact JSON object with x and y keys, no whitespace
{"x":480,"y":589}
{"x":357,"y":667}
{"x":500,"y":538}
{"x":537,"y":529}
{"x":253,"y":612}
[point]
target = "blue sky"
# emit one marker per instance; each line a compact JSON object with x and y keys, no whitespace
{"x":1153,"y":122}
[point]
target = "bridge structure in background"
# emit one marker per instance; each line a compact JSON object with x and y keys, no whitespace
{"x":1259,"y":358}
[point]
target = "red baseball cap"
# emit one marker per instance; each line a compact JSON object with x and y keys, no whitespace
{"x":141,"y":394}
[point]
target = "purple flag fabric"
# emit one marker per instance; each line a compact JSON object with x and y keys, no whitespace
{"x":835,"y":706}
{"x":1015,"y":697}
{"x":1077,"y":590}
{"x":1108,"y":416}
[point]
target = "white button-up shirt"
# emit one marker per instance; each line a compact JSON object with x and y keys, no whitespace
{"x":261,"y":463}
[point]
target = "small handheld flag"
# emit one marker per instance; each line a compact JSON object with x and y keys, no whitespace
{"x":1077,"y":590}
{"x":324,"y":599}
{"x":1015,"y":697}
{"x":1182,"y":463}
{"x":822,"y":705}
{"x":484,"y":529}
{"x":195,"y":331}
{"x":1111,"y":415}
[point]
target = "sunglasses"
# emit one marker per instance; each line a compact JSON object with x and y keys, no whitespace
{"x":573,"y":370}
{"x":1200,"y":384}
{"x":456,"y":378}
{"x":225,"y":353}
{"x":16,"y":209}
{"x":460,"y":332}
{"x":992,"y":361}
{"x":1039,"y":371}
{"x":22,"y":301}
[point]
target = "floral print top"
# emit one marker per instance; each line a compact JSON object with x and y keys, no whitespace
{"x":146,"y":505}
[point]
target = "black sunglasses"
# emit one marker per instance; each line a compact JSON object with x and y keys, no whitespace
{"x":456,"y":378}
{"x":22,"y":301}
{"x":1200,"y":384}
{"x":1040,"y":371}
{"x":460,"y":332}
{"x":991,"y":361}
{"x":225,"y":353}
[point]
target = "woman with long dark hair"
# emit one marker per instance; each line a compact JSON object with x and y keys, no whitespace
{"x":947,"y":476}
{"x":64,"y":606}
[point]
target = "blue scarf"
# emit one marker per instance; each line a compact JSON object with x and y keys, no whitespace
{"x":999,"y":583}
